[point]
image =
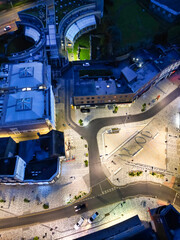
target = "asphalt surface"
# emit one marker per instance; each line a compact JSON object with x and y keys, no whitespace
{"x":103,"y":192}
{"x":93,"y":202}
{"x":98,"y":180}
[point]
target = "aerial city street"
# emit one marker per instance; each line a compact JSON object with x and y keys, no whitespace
{"x":89,"y":119}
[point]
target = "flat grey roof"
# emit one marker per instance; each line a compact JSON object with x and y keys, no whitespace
{"x":129,"y":74}
{"x":26,"y":74}
{"x":36,"y":111}
{"x":101,"y":86}
{"x":144,"y":74}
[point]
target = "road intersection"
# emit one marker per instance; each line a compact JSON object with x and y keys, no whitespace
{"x":103,"y":192}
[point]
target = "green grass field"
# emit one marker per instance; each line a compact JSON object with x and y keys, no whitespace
{"x":84,"y":44}
{"x":84,"y":54}
{"x":134,"y":23}
{"x":125,"y":25}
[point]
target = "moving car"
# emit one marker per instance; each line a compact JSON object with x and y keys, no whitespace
{"x":86,"y":64}
{"x":7,"y":28}
{"x":79,"y":207}
{"x":93,"y":217}
{"x":79,"y":223}
{"x":85,"y":110}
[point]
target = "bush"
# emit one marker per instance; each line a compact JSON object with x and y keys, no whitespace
{"x":2,"y":200}
{"x":115,"y":109}
{"x":132,"y":174}
{"x":36,"y":238}
{"x":86,"y":155}
{"x":85,"y":145}
{"x":80,"y":122}
{"x":86,"y":163}
{"x":26,"y":200}
{"x":139,"y":173}
{"x":46,"y":206}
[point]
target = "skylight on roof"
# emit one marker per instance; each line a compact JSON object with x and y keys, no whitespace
{"x":23,"y":104}
{"x":26,"y":72}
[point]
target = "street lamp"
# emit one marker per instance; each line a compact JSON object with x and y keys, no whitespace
{"x":10,"y":3}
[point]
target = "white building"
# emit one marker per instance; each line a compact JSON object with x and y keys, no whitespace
{"x":27,"y":99}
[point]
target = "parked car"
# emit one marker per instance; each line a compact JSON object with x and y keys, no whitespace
{"x":79,"y":207}
{"x":7,"y":28}
{"x":85,"y":110}
{"x":79,"y":223}
{"x":86,"y":64}
{"x":93,"y":217}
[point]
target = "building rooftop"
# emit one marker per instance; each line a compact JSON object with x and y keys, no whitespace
{"x":23,"y":106}
{"x":48,"y":145}
{"x":8,"y":147}
{"x":79,"y":25}
{"x":167,"y":58}
{"x":100,"y":86}
{"x":7,"y":166}
{"x":144,"y":74}
{"x":143,"y":66}
{"x":169,"y":223}
{"x":174,"y":5}
{"x":129,"y":74}
{"x":41,"y":170}
{"x":23,"y":75}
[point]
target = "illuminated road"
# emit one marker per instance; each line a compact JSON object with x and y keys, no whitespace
{"x":95,"y":201}
{"x":8,"y":17}
{"x":103,"y":192}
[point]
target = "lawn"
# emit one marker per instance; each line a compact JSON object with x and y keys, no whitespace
{"x":83,"y":44}
{"x":84,"y":54}
{"x":134,"y":23}
{"x":125,"y":25}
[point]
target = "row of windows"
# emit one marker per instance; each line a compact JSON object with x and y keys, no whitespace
{"x":99,"y":101}
{"x":99,"y":97}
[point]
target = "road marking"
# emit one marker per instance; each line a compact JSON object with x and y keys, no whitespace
{"x":175,"y":198}
{"x":101,"y":188}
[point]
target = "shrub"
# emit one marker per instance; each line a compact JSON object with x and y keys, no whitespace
{"x":36,"y":238}
{"x":87,"y":155}
{"x":85,"y":145}
{"x":139,"y":173}
{"x":2,"y":200}
{"x":46,"y":206}
{"x":26,"y":200}
{"x":86,"y":163}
